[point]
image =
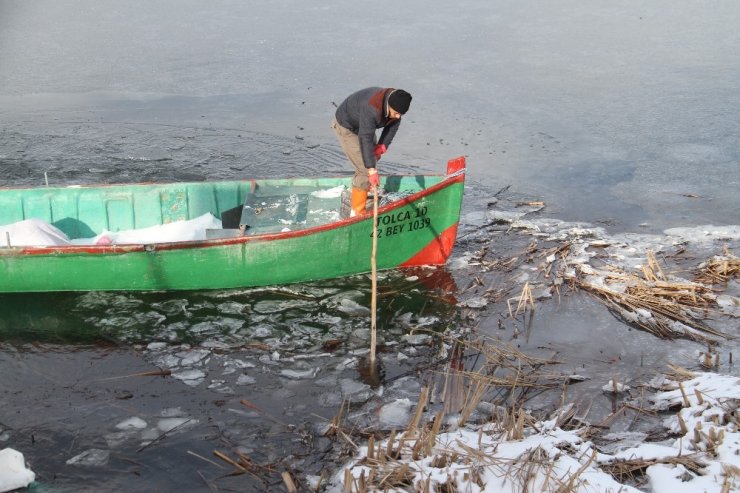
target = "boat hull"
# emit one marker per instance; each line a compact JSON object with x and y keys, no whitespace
{"x":417,"y":230}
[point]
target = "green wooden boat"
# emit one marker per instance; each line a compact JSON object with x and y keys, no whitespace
{"x":275,"y":231}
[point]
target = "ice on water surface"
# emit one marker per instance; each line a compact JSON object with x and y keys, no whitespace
{"x":90,"y":458}
{"x":397,"y":413}
{"x":133,"y":423}
{"x":190,"y":377}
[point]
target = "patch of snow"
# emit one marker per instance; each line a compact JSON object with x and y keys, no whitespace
{"x":555,"y":455}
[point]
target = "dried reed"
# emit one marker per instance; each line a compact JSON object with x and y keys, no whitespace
{"x":629,"y":469}
{"x":391,"y":463}
{"x":666,"y":308}
{"x":718,"y":269}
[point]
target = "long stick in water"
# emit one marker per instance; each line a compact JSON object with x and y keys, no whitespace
{"x":374,"y":276}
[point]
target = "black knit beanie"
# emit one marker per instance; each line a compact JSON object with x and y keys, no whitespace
{"x":400,"y":100}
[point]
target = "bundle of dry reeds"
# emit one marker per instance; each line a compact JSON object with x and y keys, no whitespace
{"x":718,"y":269}
{"x":629,"y":469}
{"x":664,"y":307}
{"x":503,"y":377}
{"x":392,"y":464}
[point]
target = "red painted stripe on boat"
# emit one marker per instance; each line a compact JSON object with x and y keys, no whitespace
{"x":437,"y":251}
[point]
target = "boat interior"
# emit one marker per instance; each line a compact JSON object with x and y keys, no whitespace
{"x":244,"y":207}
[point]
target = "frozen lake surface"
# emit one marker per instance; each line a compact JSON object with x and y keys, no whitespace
{"x":624,"y":117}
{"x":626,"y":114}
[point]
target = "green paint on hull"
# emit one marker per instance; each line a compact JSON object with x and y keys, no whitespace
{"x":323,"y":251}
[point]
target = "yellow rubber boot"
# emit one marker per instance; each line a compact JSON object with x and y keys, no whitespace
{"x":359,"y":198}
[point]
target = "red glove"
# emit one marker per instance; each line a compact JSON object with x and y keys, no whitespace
{"x":374,"y":179}
{"x":379,"y":150}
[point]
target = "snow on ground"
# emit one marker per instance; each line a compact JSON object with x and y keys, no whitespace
{"x":702,"y":455}
{"x":486,"y":458}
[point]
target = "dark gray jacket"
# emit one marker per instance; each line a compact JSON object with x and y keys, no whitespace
{"x":363,"y":113}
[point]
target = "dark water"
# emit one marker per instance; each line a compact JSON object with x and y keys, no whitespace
{"x":625,"y":116}
{"x":75,"y":365}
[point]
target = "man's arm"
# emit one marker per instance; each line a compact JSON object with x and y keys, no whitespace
{"x":389,"y":131}
{"x":366,"y":134}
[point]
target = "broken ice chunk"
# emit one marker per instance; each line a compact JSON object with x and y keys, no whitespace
{"x":396,"y":413}
{"x":133,"y":423}
{"x":93,"y":457}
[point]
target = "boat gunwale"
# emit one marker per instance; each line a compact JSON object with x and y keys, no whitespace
{"x":449,"y":180}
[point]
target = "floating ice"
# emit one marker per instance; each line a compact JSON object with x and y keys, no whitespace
{"x":351,"y":307}
{"x":168,"y":424}
{"x":172,"y":412}
{"x":167,"y":361}
{"x":426,"y":321}
{"x":730,"y":305}
{"x":148,"y":435}
{"x":261,"y":332}
{"x":474,"y":303}
{"x":93,"y":457}
{"x":405,"y":386}
{"x":615,"y":442}
{"x":133,"y":423}
{"x":190,"y":358}
{"x":117,"y":438}
{"x":354,"y":390}
{"x":396,"y":413}
{"x":276,"y":306}
{"x":417,"y":339}
{"x":459,"y":263}
{"x":245,"y":379}
{"x":500,"y":216}
{"x":705,"y":233}
{"x":232,"y":308}
{"x":13,"y":471}
{"x":299,"y":374}
{"x":541,"y":293}
{"x":192,"y":377}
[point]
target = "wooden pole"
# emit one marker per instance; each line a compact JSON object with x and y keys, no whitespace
{"x":374,"y":275}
